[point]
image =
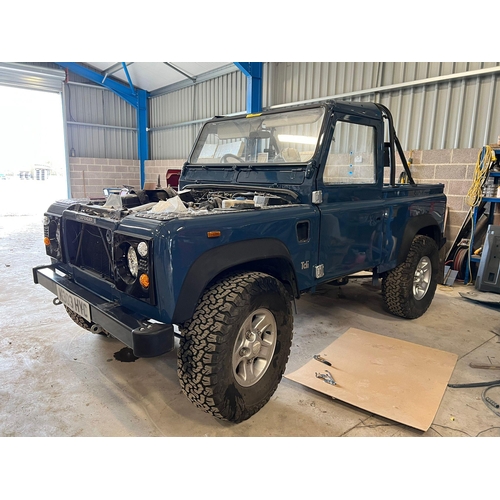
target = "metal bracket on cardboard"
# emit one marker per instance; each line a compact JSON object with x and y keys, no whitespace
{"x":327,"y":377}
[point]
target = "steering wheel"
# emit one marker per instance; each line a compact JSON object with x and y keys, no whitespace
{"x":230,"y":155}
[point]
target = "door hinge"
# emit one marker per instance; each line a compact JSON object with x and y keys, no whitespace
{"x":317,"y":197}
{"x":319,"y":271}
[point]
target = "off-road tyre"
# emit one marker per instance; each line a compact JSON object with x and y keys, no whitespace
{"x":82,"y":322}
{"x":397,"y":286}
{"x":206,"y":357}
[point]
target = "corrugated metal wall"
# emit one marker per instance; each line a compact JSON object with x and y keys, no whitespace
{"x":110,"y":123}
{"x":459,"y":114}
{"x":297,"y":81}
{"x":220,"y":96}
{"x":463,"y":113}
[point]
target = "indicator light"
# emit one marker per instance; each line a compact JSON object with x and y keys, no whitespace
{"x":144,"y":281}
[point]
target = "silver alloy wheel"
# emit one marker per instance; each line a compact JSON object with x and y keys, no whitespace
{"x":422,"y":278}
{"x":254,"y":347}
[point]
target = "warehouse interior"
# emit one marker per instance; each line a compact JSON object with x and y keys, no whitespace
{"x":134,"y":124}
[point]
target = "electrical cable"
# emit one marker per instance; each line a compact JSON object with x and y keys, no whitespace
{"x":489,"y":402}
{"x":474,"y":384}
{"x":459,"y":259}
{"x":483,"y":164}
{"x":485,"y":159}
{"x":68,"y":87}
{"x":492,"y":405}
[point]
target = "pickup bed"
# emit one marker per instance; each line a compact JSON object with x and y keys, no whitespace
{"x":269,"y":206}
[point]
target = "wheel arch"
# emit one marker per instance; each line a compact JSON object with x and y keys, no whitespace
{"x":269,"y":255}
{"x":424,"y":225}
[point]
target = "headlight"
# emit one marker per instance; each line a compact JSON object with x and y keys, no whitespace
{"x":132,"y":261}
{"x":142,"y":248}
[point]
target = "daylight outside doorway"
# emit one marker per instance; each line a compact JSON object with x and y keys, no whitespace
{"x":32,"y":152}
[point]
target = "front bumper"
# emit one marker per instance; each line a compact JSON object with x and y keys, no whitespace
{"x":145,"y":338}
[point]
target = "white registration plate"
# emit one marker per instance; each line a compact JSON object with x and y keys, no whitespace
{"x":75,"y":303}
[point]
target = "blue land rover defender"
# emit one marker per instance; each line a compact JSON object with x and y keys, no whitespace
{"x":269,"y":206}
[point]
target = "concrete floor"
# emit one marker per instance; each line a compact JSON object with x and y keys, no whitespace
{"x":59,"y":380}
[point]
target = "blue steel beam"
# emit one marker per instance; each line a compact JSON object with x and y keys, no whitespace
{"x":253,"y":72}
{"x":136,"y":98}
{"x":127,"y":74}
{"x":118,"y":88}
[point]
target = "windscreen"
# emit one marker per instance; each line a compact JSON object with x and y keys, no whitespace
{"x":288,"y":137}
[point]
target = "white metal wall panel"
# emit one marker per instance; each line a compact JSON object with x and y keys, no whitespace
{"x":220,"y":96}
{"x":297,"y":81}
{"x":173,"y":143}
{"x":99,"y":142}
{"x":450,"y":115}
{"x":458,"y":114}
{"x":168,"y":109}
{"x":117,"y":112}
{"x":98,"y":106}
{"x":30,"y":77}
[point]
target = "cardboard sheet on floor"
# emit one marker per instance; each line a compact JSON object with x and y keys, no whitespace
{"x":392,"y":378}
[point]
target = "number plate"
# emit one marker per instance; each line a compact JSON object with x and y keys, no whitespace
{"x":75,"y":303}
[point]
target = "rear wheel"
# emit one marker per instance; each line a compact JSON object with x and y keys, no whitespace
{"x":234,"y":350}
{"x":408,"y":289}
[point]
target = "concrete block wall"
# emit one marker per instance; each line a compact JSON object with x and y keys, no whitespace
{"x":159,"y":167}
{"x":90,"y":175}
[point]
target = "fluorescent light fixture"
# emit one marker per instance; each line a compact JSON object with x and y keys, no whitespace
{"x":297,"y":139}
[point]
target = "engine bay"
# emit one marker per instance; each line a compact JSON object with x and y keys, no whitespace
{"x":165,"y":203}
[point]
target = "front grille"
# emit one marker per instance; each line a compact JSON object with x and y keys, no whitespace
{"x":89,"y":248}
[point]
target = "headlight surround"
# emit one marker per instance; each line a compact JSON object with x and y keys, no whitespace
{"x":52,"y":236}
{"x":133,"y":271}
{"x":132,"y":261}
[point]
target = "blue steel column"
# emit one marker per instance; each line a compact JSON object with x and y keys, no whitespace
{"x":142,"y":132}
{"x":253,"y":72}
{"x":136,"y":98}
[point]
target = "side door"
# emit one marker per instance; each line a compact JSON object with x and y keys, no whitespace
{"x":352,"y":208}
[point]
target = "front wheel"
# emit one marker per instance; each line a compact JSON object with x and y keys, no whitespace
{"x":408,"y":289}
{"x":234,"y":350}
{"x":83,"y":323}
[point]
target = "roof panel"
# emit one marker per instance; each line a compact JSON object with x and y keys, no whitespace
{"x":101,"y":65}
{"x":154,"y":75}
{"x":198,"y":68}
